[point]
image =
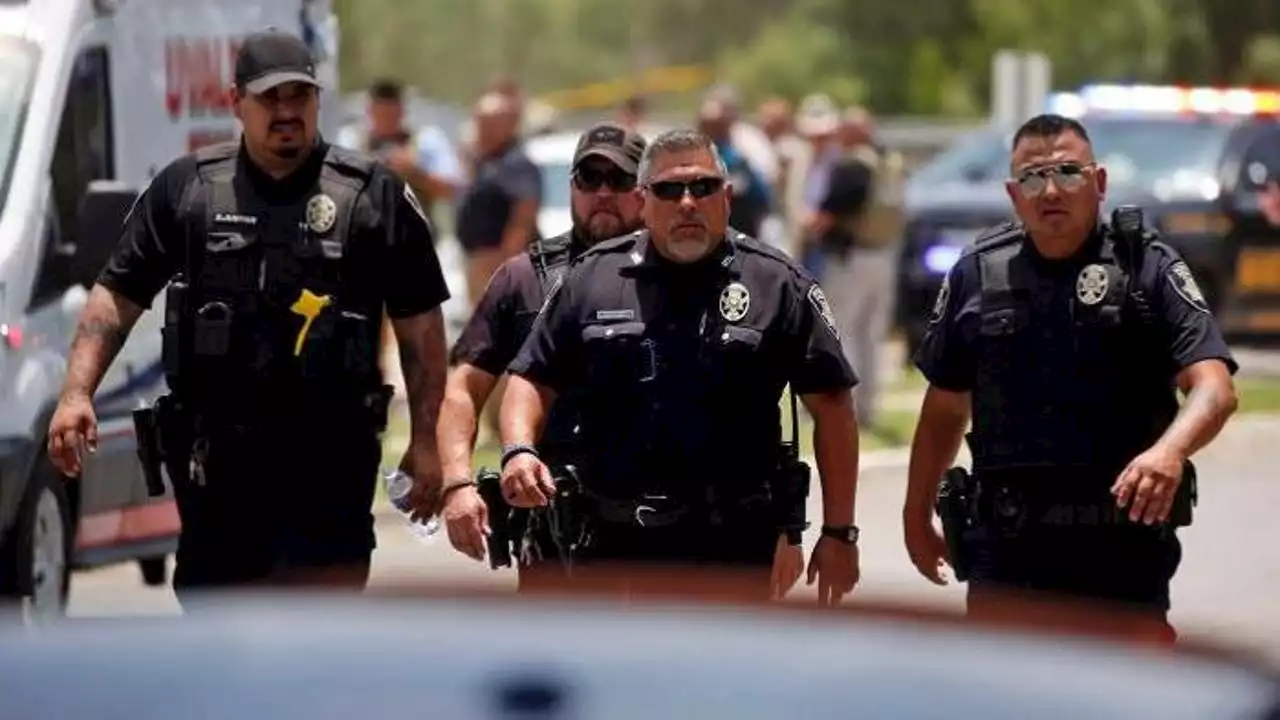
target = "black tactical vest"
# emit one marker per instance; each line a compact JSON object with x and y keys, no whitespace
{"x":257,"y":272}
{"x":551,"y":258}
{"x":680,"y":393}
{"x":1083,"y":385}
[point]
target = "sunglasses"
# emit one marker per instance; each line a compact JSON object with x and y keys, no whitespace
{"x":1066,"y":176}
{"x":591,"y":180}
{"x":674,"y":190}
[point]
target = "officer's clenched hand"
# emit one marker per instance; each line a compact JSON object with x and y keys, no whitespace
{"x":788,"y":564}
{"x":834,"y":564}
{"x":526,"y":482}
{"x":466,"y":517}
{"x":1148,"y":486}
{"x":423,"y":465}
{"x":73,"y":430}
{"x":925,"y":545}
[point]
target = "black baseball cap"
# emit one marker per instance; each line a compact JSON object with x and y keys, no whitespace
{"x":272,"y":58}
{"x":612,"y":142}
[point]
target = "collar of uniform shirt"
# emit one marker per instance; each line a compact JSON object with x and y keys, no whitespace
{"x":725,"y":256}
{"x":292,"y":187}
{"x":1087,"y":252}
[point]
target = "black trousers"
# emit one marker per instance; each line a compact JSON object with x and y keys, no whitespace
{"x":280,"y":512}
{"x":1110,"y":571}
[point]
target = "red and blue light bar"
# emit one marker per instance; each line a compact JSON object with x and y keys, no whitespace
{"x":1165,"y":99}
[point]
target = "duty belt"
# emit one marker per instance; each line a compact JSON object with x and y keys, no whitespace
{"x":653,"y":511}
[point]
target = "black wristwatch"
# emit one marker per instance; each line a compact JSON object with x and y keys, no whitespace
{"x":510,"y":451}
{"x":847,"y":534}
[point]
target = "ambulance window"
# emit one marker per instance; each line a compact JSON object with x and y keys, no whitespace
{"x":85,"y":152}
{"x":1261,"y":165}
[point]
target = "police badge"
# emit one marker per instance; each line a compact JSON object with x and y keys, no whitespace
{"x":321,"y":214}
{"x":734,"y":302}
{"x":1092,"y":284}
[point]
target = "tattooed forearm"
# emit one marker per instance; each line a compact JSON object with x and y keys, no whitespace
{"x":1208,"y":406}
{"x":420,"y":340}
{"x":103,"y":327}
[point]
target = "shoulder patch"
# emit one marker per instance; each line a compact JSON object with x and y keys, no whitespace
{"x":818,"y":299}
{"x":1184,"y":284}
{"x":939,"y":310}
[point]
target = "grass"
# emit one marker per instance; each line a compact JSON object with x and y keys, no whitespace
{"x":1259,"y":395}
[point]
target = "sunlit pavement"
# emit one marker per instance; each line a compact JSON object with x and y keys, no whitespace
{"x":1226,"y":588}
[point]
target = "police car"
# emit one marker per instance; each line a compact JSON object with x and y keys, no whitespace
{"x":1197,"y":160}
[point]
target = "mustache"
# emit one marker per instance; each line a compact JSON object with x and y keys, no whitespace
{"x":285,"y":125}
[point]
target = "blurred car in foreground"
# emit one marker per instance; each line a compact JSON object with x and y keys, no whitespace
{"x":462,"y":656}
{"x":1195,"y":159}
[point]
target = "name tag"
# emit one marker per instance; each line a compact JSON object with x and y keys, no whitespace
{"x":615,"y":314}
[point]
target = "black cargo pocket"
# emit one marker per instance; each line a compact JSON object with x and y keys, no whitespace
{"x":618,"y":355}
{"x":232,"y":264}
{"x":736,"y":359}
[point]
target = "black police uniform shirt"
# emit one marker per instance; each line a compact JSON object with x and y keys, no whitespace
{"x":501,"y":323}
{"x":678,"y":369}
{"x":1073,"y":423}
{"x":500,"y":183}
{"x":150,"y":251}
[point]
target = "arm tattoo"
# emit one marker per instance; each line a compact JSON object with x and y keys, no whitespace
{"x":101,"y":332}
{"x":422,"y":362}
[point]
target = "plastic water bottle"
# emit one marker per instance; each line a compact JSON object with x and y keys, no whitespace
{"x":399,"y":488}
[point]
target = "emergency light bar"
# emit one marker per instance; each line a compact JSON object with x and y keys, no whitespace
{"x":1167,"y":99}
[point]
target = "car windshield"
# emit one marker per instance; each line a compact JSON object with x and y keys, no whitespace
{"x":17,"y":69}
{"x":1144,"y":153}
{"x":982,"y":156}
{"x":555,"y":184}
{"x":1140,"y":153}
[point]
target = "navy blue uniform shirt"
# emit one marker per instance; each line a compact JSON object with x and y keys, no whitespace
{"x":948,"y":354}
{"x":680,"y":368}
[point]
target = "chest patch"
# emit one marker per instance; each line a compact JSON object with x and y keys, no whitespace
{"x":735,"y":300}
{"x":1092,"y":284}
{"x":322,"y":212}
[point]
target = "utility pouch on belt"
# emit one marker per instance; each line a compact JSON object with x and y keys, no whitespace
{"x":955,"y":509}
{"x":173,"y":339}
{"x":1184,"y":500}
{"x":150,"y":454}
{"x":211,"y":330}
{"x":489,"y":485}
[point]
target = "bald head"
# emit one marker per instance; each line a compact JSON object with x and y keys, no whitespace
{"x":497,"y":120}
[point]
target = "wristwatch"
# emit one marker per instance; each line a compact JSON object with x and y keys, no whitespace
{"x":847,"y":534}
{"x":510,"y":451}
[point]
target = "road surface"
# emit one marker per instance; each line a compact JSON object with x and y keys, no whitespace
{"x":1226,"y":587}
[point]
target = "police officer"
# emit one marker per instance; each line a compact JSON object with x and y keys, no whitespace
{"x":284,"y":253}
{"x":1063,"y":338}
{"x":605,"y":203}
{"x":677,"y":343}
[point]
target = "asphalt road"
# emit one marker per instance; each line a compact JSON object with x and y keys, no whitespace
{"x":1226,"y":587}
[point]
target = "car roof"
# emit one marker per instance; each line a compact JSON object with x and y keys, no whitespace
{"x":467,"y":656}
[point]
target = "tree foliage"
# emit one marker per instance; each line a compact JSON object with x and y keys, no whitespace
{"x":928,"y":57}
